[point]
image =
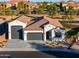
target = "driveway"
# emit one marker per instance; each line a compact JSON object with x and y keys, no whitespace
{"x":17,"y":45}
{"x":17,"y":48}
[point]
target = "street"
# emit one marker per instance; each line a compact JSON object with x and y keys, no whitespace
{"x":24,"y":54}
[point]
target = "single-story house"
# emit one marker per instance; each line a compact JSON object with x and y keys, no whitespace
{"x":3,"y":29}
{"x":3,"y":26}
{"x":41,"y":28}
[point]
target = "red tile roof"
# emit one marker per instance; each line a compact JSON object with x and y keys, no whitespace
{"x":16,"y":0}
{"x":74,"y":4}
{"x":54,"y":22}
{"x":24,"y":19}
{"x":37,"y":25}
{"x":34,"y":24}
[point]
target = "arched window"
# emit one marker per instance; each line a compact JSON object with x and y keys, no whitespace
{"x":27,"y":5}
{"x":2,"y":5}
{"x":58,"y":32}
{"x":5,"y":5}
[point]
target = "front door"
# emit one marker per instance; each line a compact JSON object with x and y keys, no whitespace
{"x":48,"y":35}
{"x":17,"y":32}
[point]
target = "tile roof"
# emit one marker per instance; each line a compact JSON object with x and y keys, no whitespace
{"x":74,"y":4}
{"x":37,"y":25}
{"x":54,"y":22}
{"x":16,"y":0}
{"x":24,"y":19}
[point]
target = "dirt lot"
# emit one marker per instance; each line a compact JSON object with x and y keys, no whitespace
{"x":8,"y":18}
{"x":3,"y":40}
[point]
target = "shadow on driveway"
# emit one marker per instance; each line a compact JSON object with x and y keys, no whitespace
{"x":59,"y":52}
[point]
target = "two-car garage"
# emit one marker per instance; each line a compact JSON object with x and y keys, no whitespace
{"x":18,"y":29}
{"x":17,"y":33}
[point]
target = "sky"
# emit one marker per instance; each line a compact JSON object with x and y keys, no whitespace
{"x":43,"y":0}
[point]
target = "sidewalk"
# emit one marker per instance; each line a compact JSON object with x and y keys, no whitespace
{"x":18,"y":49}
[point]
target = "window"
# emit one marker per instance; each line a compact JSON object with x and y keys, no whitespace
{"x":58,"y":34}
{"x":2,"y":5}
{"x":48,"y":35}
{"x":27,"y":5}
{"x":5,"y":5}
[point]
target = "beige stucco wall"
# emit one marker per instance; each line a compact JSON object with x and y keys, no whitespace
{"x":15,"y":23}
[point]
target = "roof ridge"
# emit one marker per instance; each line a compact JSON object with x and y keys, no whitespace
{"x":22,"y":18}
{"x":55,"y":22}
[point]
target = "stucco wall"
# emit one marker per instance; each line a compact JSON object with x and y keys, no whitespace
{"x":47,"y":28}
{"x":15,"y":23}
{"x":58,"y":38}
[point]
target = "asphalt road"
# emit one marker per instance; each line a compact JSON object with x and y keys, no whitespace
{"x":24,"y":54}
{"x":38,"y":54}
{"x":38,"y":51}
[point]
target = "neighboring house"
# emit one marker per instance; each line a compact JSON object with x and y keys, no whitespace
{"x":41,"y":28}
{"x":74,"y":4}
{"x":15,"y":3}
{"x":3,"y":27}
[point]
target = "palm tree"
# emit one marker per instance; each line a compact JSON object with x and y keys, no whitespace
{"x":62,"y":8}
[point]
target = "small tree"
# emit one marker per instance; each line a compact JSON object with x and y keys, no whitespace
{"x":53,"y":9}
{"x":44,"y":5}
{"x":39,"y":10}
{"x":28,"y":11}
{"x":21,"y":6}
{"x":71,"y":12}
{"x":73,"y":35}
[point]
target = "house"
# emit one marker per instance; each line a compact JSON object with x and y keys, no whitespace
{"x":15,"y":3}
{"x":73,"y":4}
{"x":8,"y":4}
{"x":40,"y":28}
{"x":3,"y":28}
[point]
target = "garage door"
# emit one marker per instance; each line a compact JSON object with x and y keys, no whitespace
{"x":34,"y":36}
{"x":16,"y":32}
